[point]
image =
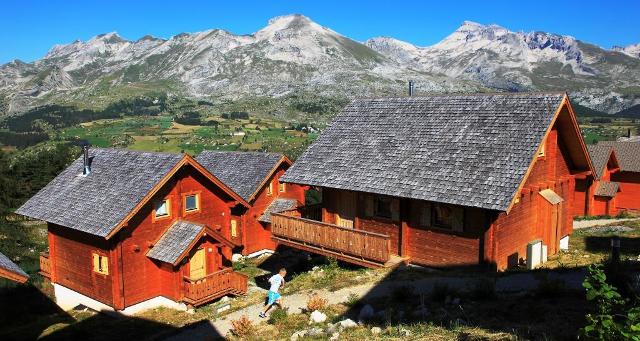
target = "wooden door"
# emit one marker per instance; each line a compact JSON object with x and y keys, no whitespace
{"x":197,"y":265}
{"x":346,"y":211}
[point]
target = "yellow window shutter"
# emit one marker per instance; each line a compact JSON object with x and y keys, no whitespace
{"x":96,"y":262}
{"x":105,"y":265}
{"x":234,"y":228}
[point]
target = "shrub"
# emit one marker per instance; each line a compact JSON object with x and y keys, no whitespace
{"x":402,"y":293}
{"x":551,"y":288}
{"x":278,"y":315}
{"x":352,"y":300}
{"x":316,"y":302}
{"x":611,"y":320}
{"x":440,"y":292}
{"x":243,"y":327}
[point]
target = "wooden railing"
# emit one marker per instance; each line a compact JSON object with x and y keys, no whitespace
{"x":359,"y":244}
{"x":45,"y":264}
{"x":212,"y":286}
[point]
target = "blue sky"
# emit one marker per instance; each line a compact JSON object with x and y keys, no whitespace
{"x":30,"y":28}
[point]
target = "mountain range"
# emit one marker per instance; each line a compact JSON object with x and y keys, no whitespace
{"x":294,"y":54}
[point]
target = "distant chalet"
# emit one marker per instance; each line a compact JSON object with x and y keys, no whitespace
{"x":451,"y":180}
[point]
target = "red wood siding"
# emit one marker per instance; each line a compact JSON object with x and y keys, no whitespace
{"x":629,"y":196}
{"x":72,"y":260}
{"x":531,"y":218}
{"x":257,"y":235}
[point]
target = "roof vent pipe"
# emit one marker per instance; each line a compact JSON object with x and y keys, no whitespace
{"x":410,"y":88}
{"x":87,"y":167}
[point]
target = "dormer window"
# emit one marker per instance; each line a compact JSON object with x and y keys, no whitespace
{"x":191,"y":202}
{"x":162,"y":208}
{"x":281,"y":187}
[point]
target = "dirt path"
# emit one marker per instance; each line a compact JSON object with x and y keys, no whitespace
{"x":581,"y":224}
{"x":507,"y":284}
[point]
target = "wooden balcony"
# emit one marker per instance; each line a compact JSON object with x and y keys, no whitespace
{"x":45,"y":265}
{"x":350,"y":245}
{"x":224,"y":282}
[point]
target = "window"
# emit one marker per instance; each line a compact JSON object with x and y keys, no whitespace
{"x":234,"y":228}
{"x":162,"y":208}
{"x":281,"y":187}
{"x":448,"y":217}
{"x":100,"y":264}
{"x":542,"y":149}
{"x":382,"y":207}
{"x":191,"y":202}
{"x":270,"y":189}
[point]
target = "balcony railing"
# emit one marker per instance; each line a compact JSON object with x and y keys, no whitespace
{"x":45,"y":264}
{"x":341,"y":242}
{"x":220,"y":283}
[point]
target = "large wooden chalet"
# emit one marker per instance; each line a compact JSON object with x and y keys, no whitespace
{"x":132,"y":230}
{"x":445,"y":181}
{"x":615,"y":186}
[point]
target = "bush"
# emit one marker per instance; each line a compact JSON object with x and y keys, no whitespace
{"x":278,"y":315}
{"x":316,"y":302}
{"x":485,"y":289}
{"x":243,"y":327}
{"x":352,"y":300}
{"x":441,"y":291}
{"x":612,"y":320}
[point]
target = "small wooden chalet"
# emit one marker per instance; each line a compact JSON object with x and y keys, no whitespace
{"x":444,"y":181}
{"x":596,"y":195}
{"x":11,"y":270}
{"x":616,"y":185}
{"x":132,"y":230}
{"x":254,"y":176}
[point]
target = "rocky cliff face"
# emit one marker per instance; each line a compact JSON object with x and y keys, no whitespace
{"x":293,"y":53}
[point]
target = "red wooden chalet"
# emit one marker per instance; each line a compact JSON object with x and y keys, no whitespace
{"x":133,"y":230}
{"x":445,"y":181}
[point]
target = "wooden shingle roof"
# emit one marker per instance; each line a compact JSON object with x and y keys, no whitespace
{"x":627,"y":153}
{"x":600,"y":155}
{"x":98,"y":202}
{"x":175,"y":241}
{"x":277,"y":206}
{"x":607,"y":189}
{"x":11,"y":270}
{"x":472,"y":150}
{"x":243,"y":172}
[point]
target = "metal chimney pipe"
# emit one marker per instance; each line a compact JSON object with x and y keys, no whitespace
{"x":410,"y":88}
{"x":87,"y":167}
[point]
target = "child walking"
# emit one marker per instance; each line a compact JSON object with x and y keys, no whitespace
{"x":277,"y":282}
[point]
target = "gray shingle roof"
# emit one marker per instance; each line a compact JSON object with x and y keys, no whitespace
{"x":607,"y":189}
{"x":98,"y":202}
{"x":599,"y":157}
{"x":243,"y":172}
{"x":627,"y":153}
{"x":277,"y":206}
{"x":8,"y":265}
{"x":471,"y":150}
{"x":175,"y":241}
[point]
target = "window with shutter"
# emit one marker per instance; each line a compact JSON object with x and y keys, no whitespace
{"x":100,"y":264}
{"x":270,"y":189}
{"x":281,"y":187}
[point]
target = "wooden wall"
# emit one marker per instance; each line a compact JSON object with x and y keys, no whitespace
{"x":71,"y":257}
{"x":256,"y":235}
{"x":530,"y":219}
{"x":629,"y":196}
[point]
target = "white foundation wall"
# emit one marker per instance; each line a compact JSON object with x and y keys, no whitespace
{"x":68,"y":299}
